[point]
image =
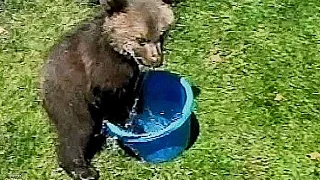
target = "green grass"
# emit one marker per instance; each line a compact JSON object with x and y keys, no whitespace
{"x":241,"y":55}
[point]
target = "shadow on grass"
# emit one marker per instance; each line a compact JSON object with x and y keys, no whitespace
{"x":194,"y":124}
{"x":194,"y":131}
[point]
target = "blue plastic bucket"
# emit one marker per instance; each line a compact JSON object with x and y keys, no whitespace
{"x":166,"y":94}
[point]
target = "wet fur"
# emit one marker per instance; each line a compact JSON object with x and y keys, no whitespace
{"x":90,"y":76}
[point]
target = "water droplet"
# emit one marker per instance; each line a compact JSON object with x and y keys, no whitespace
{"x":152,"y":119}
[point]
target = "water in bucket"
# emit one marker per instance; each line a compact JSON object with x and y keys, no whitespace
{"x":147,"y":122}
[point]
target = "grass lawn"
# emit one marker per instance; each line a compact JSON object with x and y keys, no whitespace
{"x":257,"y":63}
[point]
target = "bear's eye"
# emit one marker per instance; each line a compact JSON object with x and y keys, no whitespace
{"x":142,"y":41}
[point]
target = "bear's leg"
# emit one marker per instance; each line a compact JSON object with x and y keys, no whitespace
{"x":75,"y":129}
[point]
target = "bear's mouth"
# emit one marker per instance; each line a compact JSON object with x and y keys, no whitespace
{"x":140,"y":61}
{"x":131,"y":56}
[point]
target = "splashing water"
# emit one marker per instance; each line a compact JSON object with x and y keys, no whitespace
{"x":148,"y":122}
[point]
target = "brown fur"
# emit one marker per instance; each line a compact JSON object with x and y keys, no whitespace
{"x":90,"y":76}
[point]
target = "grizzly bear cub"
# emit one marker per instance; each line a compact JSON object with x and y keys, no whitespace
{"x":90,"y":75}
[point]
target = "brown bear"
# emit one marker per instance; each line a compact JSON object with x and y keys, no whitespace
{"x":90,"y":75}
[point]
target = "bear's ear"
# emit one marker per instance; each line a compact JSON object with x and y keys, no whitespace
{"x":112,"y":6}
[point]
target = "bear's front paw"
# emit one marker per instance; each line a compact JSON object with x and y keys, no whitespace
{"x":86,"y":173}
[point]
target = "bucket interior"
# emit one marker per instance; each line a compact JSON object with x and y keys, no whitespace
{"x":163,"y":95}
{"x":162,"y":101}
